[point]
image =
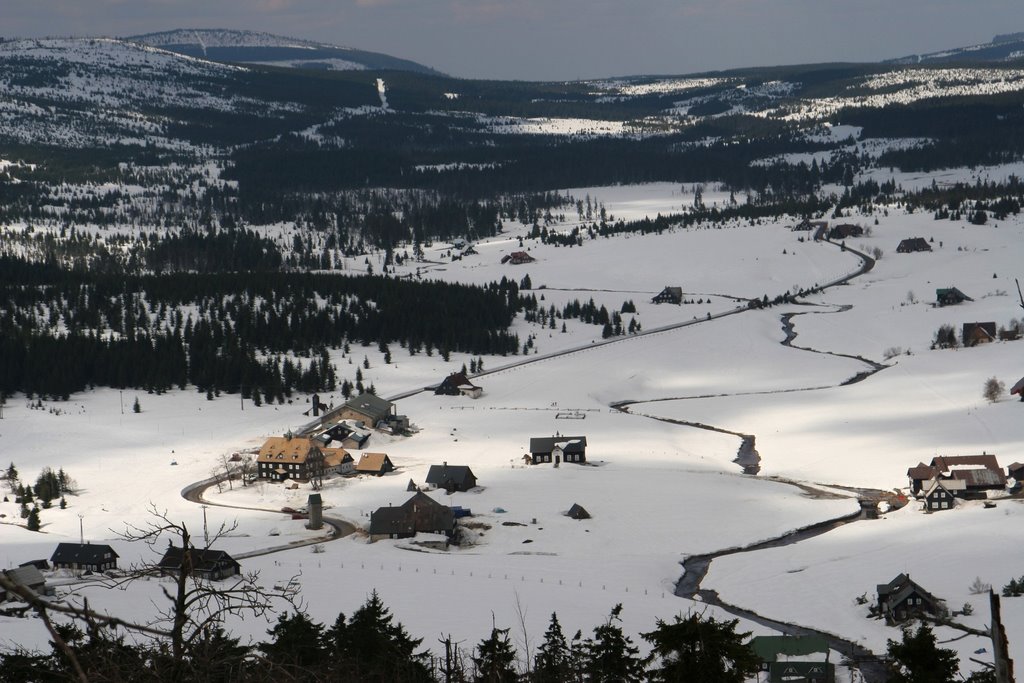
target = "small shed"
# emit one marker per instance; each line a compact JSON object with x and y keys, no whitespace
{"x":577,"y":511}
{"x":27,"y":576}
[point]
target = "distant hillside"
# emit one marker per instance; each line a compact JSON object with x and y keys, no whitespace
{"x":253,"y":47}
{"x":1008,"y":47}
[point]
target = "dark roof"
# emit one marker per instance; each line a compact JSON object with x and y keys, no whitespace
{"x":81,"y":553}
{"x":986,"y":329}
{"x":577,"y":511}
{"x":921,"y":471}
{"x":419,"y":513}
{"x":976,"y":470}
{"x":900,"y":588}
{"x":913,"y":244}
{"x":371,"y":405}
{"x":570,"y":444}
{"x":440,"y":475}
{"x":203,"y":560}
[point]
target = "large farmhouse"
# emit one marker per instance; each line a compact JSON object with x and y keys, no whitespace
{"x":84,"y":557}
{"x":421,"y":513}
{"x":290,"y":457}
{"x":558,"y":449}
{"x":205,"y":563}
{"x":976,"y":475}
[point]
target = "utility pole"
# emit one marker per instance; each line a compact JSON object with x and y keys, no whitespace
{"x":81,"y":530}
{"x":122,"y":401}
{"x":206,"y":531}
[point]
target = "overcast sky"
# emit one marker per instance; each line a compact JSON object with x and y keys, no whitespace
{"x":558,"y":39}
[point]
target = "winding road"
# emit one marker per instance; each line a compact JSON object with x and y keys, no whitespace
{"x":695,"y":566}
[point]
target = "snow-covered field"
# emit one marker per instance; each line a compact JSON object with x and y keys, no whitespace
{"x":657,"y":490}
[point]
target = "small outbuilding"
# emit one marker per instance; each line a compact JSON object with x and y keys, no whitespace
{"x":577,"y":511}
{"x":794,"y":659}
{"x":26,"y":576}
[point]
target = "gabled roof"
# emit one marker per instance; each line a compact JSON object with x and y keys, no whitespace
{"x":976,"y":470}
{"x":569,"y":444}
{"x":577,"y":511}
{"x":920,"y":471}
{"x":82,"y":553}
{"x":900,"y":588}
{"x":203,"y":560}
{"x":370,"y":405}
{"x":372,"y":462}
{"x":440,"y":475}
{"x":419,"y":513}
{"x":334,"y":457}
{"x":948,"y":485}
{"x":286,"y":449}
{"x":28,"y":576}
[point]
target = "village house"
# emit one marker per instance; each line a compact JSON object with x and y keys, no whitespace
{"x":547,"y":449}
{"x":517,"y":258}
{"x":796,"y":659}
{"x":669,"y":295}
{"x":912,"y":244}
{"x":979,"y":474}
{"x":978,"y":333}
{"x":206,"y":563}
{"x":290,"y":457}
{"x":451,"y":477}
{"x":950,"y":296}
{"x":419,"y":514}
{"x":84,"y":557}
{"x":338,"y":461}
{"x":371,"y":410}
{"x":941,"y":494}
{"x":902,"y":599}
{"x":377,"y":464}
{"x":457,"y":384}
{"x":845,"y":231}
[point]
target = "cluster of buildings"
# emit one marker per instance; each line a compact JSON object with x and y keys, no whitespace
{"x":97,"y":558}
{"x":950,"y":478}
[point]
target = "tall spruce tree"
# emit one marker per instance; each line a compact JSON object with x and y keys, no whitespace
{"x":553,"y":663}
{"x":495,"y":659}
{"x":695,"y":649}
{"x":610,"y":655}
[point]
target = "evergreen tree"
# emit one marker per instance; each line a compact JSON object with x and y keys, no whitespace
{"x":917,"y":659}
{"x":33,"y":520}
{"x":495,"y":658}
{"x":553,"y":663}
{"x":610,"y":654}
{"x":697,"y":649}
{"x":297,"y":642}
{"x":376,"y":649}
{"x":11,"y":477}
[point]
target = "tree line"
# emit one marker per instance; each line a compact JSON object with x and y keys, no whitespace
{"x":265,"y":333}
